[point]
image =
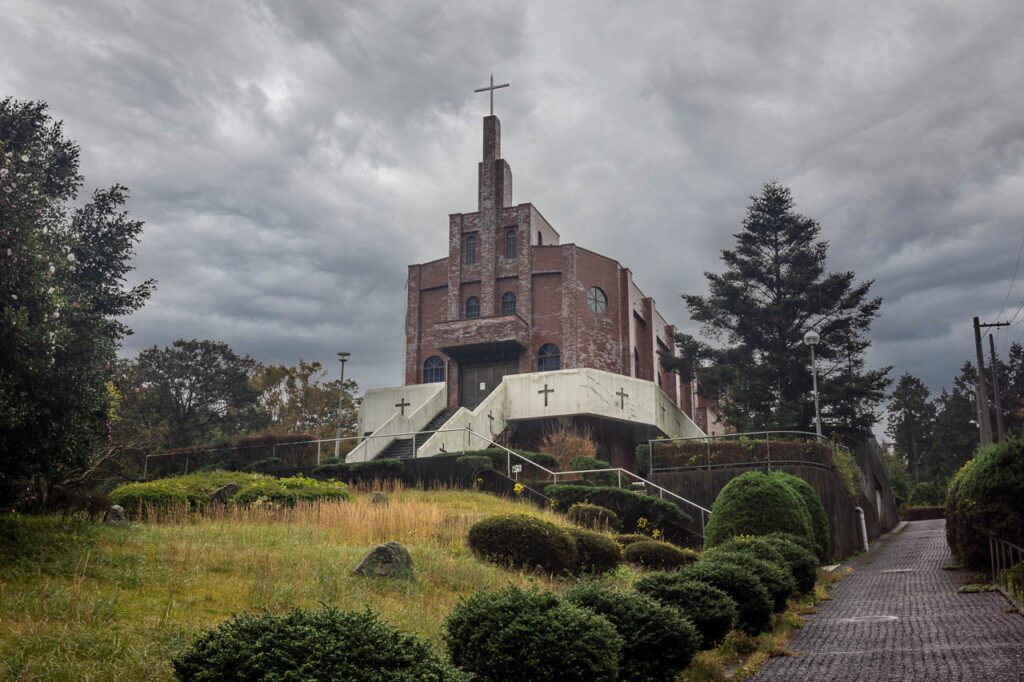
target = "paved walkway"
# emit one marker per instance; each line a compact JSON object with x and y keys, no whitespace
{"x":897,"y":616}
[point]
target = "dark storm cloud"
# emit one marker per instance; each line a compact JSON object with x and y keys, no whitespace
{"x":290,"y":158}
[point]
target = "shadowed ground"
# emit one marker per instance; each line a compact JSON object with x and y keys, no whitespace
{"x":897,"y":616}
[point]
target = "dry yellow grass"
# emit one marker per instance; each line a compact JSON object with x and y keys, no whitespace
{"x":117,"y":603}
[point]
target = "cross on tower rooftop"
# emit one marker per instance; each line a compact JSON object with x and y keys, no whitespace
{"x":492,"y":87}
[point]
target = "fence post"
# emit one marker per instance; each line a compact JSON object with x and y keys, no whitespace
{"x":619,"y":472}
{"x":145,"y":467}
{"x":650,"y":456}
{"x":318,"y":453}
{"x":186,"y":463}
{"x":708,"y":441}
{"x":414,"y":446}
{"x":992,"y":559}
{"x":768,"y":448}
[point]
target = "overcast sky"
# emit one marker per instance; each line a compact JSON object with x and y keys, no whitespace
{"x":290,"y":159}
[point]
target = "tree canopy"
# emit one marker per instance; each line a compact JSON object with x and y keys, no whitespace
{"x":63,"y":289}
{"x":774,"y":288}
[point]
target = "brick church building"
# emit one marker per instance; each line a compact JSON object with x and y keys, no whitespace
{"x":511,"y":302}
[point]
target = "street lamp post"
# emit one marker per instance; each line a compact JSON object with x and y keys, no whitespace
{"x":811,"y":339}
{"x":343,"y":357}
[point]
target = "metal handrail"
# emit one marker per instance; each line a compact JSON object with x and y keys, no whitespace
{"x":1004,"y":556}
{"x":618,"y":470}
{"x":761,"y":435}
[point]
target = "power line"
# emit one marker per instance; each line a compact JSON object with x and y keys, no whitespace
{"x":1010,"y":290}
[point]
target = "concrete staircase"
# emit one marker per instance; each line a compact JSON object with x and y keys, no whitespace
{"x":401,"y":448}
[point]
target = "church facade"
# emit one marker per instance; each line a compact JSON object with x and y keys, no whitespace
{"x":509,"y":317}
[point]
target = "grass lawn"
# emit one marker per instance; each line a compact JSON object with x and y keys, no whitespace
{"x":84,"y":601}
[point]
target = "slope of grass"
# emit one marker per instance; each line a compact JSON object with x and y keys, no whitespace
{"x":81,"y":601}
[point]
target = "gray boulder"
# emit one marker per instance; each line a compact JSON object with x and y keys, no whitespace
{"x":385,"y":560}
{"x":378,"y":497}
{"x":115,"y":515}
{"x":221,"y":494}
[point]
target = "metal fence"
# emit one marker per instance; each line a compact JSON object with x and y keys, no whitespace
{"x":740,"y":449}
{"x":1007,"y":560}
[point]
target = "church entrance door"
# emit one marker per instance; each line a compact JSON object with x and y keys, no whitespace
{"x":479,"y":380}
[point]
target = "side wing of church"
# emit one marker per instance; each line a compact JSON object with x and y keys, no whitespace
{"x":514,"y":332}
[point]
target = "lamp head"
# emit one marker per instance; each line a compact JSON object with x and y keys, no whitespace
{"x":343,"y":356}
{"x":811,"y":338}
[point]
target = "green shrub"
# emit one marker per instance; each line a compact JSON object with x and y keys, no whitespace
{"x":524,"y":542}
{"x":985,"y":498}
{"x":658,"y":642}
{"x":500,"y":459}
{"x":548,"y":461}
{"x":799,"y":561}
{"x":710,"y":608}
{"x":776,"y":579}
{"x":927,"y":494}
{"x":755,"y":503}
{"x":629,"y":506}
{"x":630,"y":538}
{"x":513,"y":634}
{"x":595,"y":552}
{"x":594,"y":517}
{"x":754,"y":605}
{"x":819,"y":519}
{"x":655,"y":555}
{"x":326,"y":644}
{"x":356,"y":472}
{"x":474,"y":464}
{"x":166,"y":493}
{"x":801,"y":540}
{"x":288,"y":491}
{"x":265,"y":465}
{"x":584,"y":463}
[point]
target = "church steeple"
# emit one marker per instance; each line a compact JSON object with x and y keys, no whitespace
{"x":495,"y":184}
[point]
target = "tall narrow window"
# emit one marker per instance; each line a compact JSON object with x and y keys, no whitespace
{"x":540,"y":238}
{"x":472,"y":307}
{"x":510,"y":244}
{"x":470,"y":250}
{"x":508,"y":303}
{"x":636,"y":363}
{"x":433,"y":370}
{"x":548,"y":358}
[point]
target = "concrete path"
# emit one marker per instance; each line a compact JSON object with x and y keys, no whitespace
{"x":897,"y":616}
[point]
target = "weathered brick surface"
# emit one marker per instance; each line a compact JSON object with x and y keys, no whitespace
{"x":899,"y":617}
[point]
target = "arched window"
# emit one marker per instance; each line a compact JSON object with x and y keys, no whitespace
{"x":540,"y":238}
{"x":636,"y":362}
{"x":508,"y":303}
{"x":470,"y":250}
{"x":472,"y":307}
{"x":548,"y":358}
{"x":433,"y":370}
{"x":510,"y":244}
{"x":597,"y":300}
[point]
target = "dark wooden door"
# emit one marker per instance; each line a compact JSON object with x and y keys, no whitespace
{"x":479,"y":380}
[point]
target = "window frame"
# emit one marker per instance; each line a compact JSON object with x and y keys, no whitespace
{"x":597,"y":298}
{"x":545,"y":359}
{"x":469,"y":257}
{"x":509,"y":296}
{"x":511,"y":239}
{"x":429,"y":369}
{"x":474,"y":312}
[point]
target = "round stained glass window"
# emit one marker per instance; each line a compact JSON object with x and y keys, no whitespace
{"x":597,"y":300}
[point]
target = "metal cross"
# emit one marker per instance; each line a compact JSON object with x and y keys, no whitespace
{"x":492,"y":87}
{"x":622,"y":398}
{"x":545,"y":391}
{"x":491,"y":417}
{"x":402,"y":405}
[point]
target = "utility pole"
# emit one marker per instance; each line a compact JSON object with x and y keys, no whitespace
{"x":343,"y":357}
{"x":984,"y":418}
{"x":1000,"y":435}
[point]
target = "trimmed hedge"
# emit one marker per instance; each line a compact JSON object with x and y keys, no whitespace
{"x":799,"y":561}
{"x":776,"y":579}
{"x":629,"y":506}
{"x":289,"y":491}
{"x":986,"y":498}
{"x":658,"y":642}
{"x":513,"y":634}
{"x":525,"y":542}
{"x":595,"y":552}
{"x":755,"y":503}
{"x":594,"y":517}
{"x":178,"y":491}
{"x":655,"y":555}
{"x":754,"y":605}
{"x":710,"y":608}
{"x":326,"y":644}
{"x":630,"y":538}
{"x":375,"y":469}
{"x":819,"y":519}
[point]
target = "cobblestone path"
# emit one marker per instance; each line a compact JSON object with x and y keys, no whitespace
{"x":897,"y":616}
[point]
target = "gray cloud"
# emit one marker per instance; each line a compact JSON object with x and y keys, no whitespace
{"x":291,"y":158}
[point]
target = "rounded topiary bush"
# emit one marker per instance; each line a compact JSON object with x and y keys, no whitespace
{"x":778,"y":548}
{"x":711,"y":610}
{"x":594,"y":517}
{"x":326,"y":644}
{"x":524,"y":542}
{"x":630,"y":538}
{"x":819,"y":519}
{"x":513,"y":634}
{"x":753,"y":603}
{"x":658,"y":642}
{"x":985,"y":498}
{"x":801,"y":540}
{"x":776,"y":579}
{"x":755,"y":503}
{"x":595,"y":552}
{"x":658,"y":556}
